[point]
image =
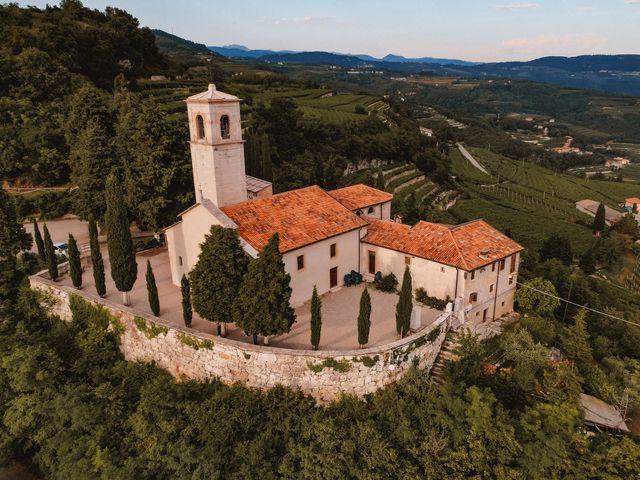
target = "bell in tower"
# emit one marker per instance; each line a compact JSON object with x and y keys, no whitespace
{"x":217,"y":150}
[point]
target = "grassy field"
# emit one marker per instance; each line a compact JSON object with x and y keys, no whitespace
{"x":316,"y":103}
{"x":529,"y":200}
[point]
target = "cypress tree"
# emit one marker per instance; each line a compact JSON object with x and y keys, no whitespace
{"x":380,"y":180}
{"x":364,"y":318}
{"x":316,"y":318}
{"x":13,"y":240}
{"x":122,"y":255}
{"x":187,"y":313}
{"x":588,"y":262}
{"x":262,"y":306}
{"x":600,"y":219}
{"x":265,"y":159}
{"x":38,"y":239}
{"x":97,"y":263}
{"x":405,"y":305}
{"x":50,"y":255}
{"x":152,"y":290}
{"x":216,"y":278}
{"x":75,"y":268}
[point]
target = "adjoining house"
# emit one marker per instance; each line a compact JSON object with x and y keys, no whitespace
{"x":326,"y":235}
{"x":590,"y":207}
{"x":617,"y":162}
{"x":629,"y":203}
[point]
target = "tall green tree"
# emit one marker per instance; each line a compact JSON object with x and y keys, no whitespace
{"x":538,"y":296}
{"x":97,"y":263}
{"x":316,"y":318}
{"x":38,"y":240}
{"x":13,"y":240}
{"x":364,"y":318}
{"x":405,"y":305}
{"x":122,"y":255}
{"x":75,"y":267}
{"x":150,"y":170}
{"x":599,"y":222}
{"x":588,"y":262}
{"x":262,"y":306}
{"x":185,"y":290}
{"x":50,"y":255}
{"x":152,"y":290}
{"x":91,"y":160}
{"x":216,"y":278}
{"x":557,"y":246}
{"x":575,"y":341}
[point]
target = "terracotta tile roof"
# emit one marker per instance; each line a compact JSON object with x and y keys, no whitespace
{"x":301,"y":217}
{"x":360,"y":196}
{"x":633,"y":200}
{"x":468,"y":246}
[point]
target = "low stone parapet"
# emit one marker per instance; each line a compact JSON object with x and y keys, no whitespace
{"x":189,"y":354}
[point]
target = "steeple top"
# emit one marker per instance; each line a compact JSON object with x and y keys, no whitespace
{"x":213,"y":95}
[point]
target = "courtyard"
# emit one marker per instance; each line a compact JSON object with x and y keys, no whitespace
{"x":339,"y":308}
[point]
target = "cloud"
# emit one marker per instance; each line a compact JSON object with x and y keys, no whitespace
{"x":306,"y":20}
{"x":567,"y":44}
{"x":518,"y":6}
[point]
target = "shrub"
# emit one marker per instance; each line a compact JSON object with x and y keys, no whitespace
{"x":387,"y":283}
{"x":432,"y":302}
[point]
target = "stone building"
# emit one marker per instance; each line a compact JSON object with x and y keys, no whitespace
{"x":325,"y":235}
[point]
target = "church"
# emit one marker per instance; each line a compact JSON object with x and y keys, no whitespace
{"x":327,"y":234}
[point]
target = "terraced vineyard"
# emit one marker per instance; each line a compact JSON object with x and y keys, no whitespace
{"x":522,"y":197}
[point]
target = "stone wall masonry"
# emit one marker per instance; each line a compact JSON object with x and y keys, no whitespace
{"x":189,"y":354}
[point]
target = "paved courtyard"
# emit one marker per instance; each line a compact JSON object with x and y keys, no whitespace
{"x":339,"y":309}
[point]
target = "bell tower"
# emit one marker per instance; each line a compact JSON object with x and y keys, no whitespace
{"x":217,"y":148}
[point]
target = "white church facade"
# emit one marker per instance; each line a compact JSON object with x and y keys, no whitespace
{"x":325,"y":235}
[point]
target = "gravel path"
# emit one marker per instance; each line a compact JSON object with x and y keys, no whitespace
{"x":465,"y":153}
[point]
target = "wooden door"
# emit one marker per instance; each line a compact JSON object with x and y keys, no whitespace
{"x":372,"y":262}
{"x":333,"y":277}
{"x":484,"y":315}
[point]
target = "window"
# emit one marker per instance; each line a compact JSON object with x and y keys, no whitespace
{"x":473,"y":297}
{"x":513,"y":263}
{"x":493,"y":267}
{"x":372,"y":262}
{"x":359,"y":213}
{"x":407,"y":260}
{"x":371,"y":210}
{"x":332,"y":250}
{"x":511,"y":280}
{"x":224,"y":126}
{"x":200,"y":126}
{"x":180,"y":261}
{"x":300,"y":262}
{"x":442,"y":269}
{"x":503,"y":304}
{"x":473,"y":275}
{"x":502,"y":263}
{"x":491,"y":288}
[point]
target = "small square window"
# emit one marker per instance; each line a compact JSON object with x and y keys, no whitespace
{"x":333,"y":250}
{"x":491,"y":288}
{"x":502,"y":263}
{"x":477,"y":313}
{"x":473,"y":275}
{"x":300,"y":262}
{"x":180,"y":260}
{"x":493,"y":267}
{"x":503,"y":304}
{"x":473,"y":297}
{"x":407,"y":260}
{"x":442,"y":269}
{"x":511,"y":280}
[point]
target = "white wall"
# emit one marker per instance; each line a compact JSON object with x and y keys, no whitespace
{"x":440,"y":280}
{"x":380,"y":211}
{"x":318,"y":263}
{"x":184,"y":239}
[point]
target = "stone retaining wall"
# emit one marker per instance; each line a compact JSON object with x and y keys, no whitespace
{"x":187,"y":353}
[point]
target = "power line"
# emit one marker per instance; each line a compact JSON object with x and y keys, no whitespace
{"x":578,"y":305}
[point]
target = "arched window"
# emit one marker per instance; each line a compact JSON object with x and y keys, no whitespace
{"x":224,"y":126}
{"x":371,"y":210}
{"x":200,"y":126}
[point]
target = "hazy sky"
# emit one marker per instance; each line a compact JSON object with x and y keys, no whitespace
{"x":467,"y":29}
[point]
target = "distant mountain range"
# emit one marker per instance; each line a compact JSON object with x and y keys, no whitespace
{"x":611,"y":73}
{"x":240,"y":51}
